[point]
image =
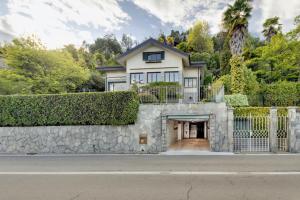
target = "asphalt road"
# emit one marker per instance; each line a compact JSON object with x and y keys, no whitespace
{"x":152,"y":177}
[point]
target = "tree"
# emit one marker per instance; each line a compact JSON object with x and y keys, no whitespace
{"x":40,"y":70}
{"x":183,"y":46}
{"x":235,"y":21}
{"x":126,"y":42}
{"x":170,"y":41}
{"x":108,"y":46}
{"x":199,"y":39}
{"x":162,"y":38}
{"x":277,"y":60}
{"x":271,"y":28}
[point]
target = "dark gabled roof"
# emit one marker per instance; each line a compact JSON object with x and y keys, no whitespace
{"x":153,"y":42}
{"x":110,"y":68}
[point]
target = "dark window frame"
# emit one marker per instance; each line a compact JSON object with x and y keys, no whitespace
{"x":158,"y":77}
{"x":155,"y":60}
{"x":140,"y":75}
{"x":188,"y":80}
{"x":173,"y":76}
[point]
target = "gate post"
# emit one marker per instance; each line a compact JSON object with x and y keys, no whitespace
{"x":273,"y":130}
{"x":291,"y":129}
{"x":230,"y":121}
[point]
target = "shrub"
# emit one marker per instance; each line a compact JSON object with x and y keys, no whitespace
{"x":236,"y":100}
{"x":148,"y":98}
{"x":110,"y":108}
{"x":258,"y":111}
{"x":281,"y":93}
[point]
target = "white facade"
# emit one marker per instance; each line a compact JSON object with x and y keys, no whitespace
{"x":153,"y":61}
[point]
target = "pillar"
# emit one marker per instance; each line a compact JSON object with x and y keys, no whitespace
{"x":292,"y":129}
{"x":230,"y":122}
{"x":273,"y":130}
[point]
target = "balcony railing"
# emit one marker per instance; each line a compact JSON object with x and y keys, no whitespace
{"x":179,"y":94}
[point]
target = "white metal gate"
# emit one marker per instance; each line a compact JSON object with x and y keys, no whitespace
{"x":251,"y":134}
{"x":282,"y":133}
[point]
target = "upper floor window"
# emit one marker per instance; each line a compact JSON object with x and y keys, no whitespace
{"x":136,"y":78}
{"x":171,"y":76}
{"x":190,"y":82}
{"x":154,"y":56}
{"x":153,"y":77}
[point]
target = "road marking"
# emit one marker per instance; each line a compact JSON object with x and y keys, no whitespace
{"x":151,"y":173}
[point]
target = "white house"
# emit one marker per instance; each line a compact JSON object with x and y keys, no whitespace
{"x":153,"y":61}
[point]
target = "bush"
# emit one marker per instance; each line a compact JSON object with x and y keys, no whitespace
{"x":148,"y":98}
{"x":258,"y":111}
{"x":281,"y":93}
{"x":236,"y":100}
{"x":111,"y":108}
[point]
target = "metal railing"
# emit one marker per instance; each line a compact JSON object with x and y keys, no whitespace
{"x":179,"y":94}
{"x":251,"y":133}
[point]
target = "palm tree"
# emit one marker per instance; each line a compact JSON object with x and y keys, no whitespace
{"x":271,"y":28}
{"x":235,"y":21}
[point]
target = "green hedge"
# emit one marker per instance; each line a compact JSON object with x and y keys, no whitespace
{"x":258,"y":111}
{"x":109,"y":108}
{"x":236,"y":100}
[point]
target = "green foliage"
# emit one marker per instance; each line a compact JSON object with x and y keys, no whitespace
{"x":236,"y":100}
{"x":40,"y":70}
{"x":183,"y":46}
{"x":199,"y":39}
{"x":96,"y":82}
{"x":281,"y":93}
{"x":237,"y":75}
{"x":258,"y":111}
{"x":277,"y":60}
{"x":108,"y":46}
{"x":148,"y":98}
{"x":111,"y":108}
{"x":163,"y":90}
{"x":237,"y":15}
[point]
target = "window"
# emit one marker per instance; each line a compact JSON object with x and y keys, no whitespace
{"x":154,"y":56}
{"x":136,"y":78}
{"x":116,"y":86}
{"x":153,"y":77}
{"x":190,"y":82}
{"x":171,"y":77}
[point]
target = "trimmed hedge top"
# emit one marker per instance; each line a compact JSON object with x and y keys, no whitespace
{"x":108,"y":108}
{"x":258,"y":111}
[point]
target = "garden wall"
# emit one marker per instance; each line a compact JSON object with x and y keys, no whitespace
{"x":113,"y":139}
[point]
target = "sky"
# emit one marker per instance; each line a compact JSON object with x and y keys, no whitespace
{"x":61,"y":22}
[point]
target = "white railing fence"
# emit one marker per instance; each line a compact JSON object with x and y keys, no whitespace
{"x":251,"y":134}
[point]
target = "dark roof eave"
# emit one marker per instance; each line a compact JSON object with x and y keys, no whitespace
{"x":110,"y":68}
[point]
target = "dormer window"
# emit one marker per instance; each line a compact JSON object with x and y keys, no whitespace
{"x":153,"y":57}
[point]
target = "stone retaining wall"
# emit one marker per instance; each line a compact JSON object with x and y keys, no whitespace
{"x":114,"y":139}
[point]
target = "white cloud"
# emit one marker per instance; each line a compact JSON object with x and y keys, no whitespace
{"x":285,"y":10}
{"x":183,"y":13}
{"x":59,"y":22}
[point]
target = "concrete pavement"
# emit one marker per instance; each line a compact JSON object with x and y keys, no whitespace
{"x":150,"y":177}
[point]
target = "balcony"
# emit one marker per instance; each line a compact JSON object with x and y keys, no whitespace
{"x":179,"y":94}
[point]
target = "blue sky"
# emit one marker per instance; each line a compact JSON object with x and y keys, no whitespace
{"x":60,"y":22}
